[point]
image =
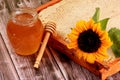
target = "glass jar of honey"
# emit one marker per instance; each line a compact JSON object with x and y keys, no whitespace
{"x":25,"y":31}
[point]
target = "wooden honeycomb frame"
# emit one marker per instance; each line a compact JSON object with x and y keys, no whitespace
{"x":101,"y":69}
{"x":52,"y":2}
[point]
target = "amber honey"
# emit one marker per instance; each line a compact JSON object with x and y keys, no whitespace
{"x":25,"y":33}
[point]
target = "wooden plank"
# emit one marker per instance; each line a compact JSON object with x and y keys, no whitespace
{"x":57,"y":59}
{"x":7,"y":68}
{"x":48,"y":68}
{"x":70,"y":69}
{"x":2,"y":76}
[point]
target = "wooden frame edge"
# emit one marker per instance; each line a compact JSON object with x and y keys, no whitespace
{"x":50,"y":3}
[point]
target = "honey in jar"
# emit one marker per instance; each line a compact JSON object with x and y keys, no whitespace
{"x":25,"y":31}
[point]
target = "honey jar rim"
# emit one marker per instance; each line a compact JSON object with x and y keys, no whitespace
{"x":30,"y":11}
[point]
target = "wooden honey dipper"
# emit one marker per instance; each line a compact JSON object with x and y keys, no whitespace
{"x":50,"y":28}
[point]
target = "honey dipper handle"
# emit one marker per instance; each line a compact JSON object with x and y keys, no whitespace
{"x":40,"y":53}
{"x":50,"y":27}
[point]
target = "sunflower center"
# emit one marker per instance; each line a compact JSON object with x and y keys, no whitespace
{"x":89,"y":41}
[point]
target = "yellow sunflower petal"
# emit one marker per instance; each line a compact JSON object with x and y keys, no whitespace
{"x":102,"y":49}
{"x":72,"y":45}
{"x":101,"y":57}
{"x":90,"y":24}
{"x":102,"y":52}
{"x":107,"y":43}
{"x":81,"y":26}
{"x":103,"y":35}
{"x":85,"y":55}
{"x":91,"y":58}
{"x":75,"y":32}
{"x":72,"y":37}
{"x":96,"y":28}
{"x":79,"y":54}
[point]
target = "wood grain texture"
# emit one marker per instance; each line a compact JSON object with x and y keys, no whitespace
{"x":6,"y":65}
{"x":70,"y":69}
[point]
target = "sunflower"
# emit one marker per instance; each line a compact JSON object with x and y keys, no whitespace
{"x":89,"y":41}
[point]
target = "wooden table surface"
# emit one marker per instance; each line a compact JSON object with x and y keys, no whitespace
{"x":54,"y":65}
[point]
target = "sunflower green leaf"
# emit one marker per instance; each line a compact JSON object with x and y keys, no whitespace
{"x":96,"y":15}
{"x":115,"y":37}
{"x":104,"y":23}
{"x":115,"y":50}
